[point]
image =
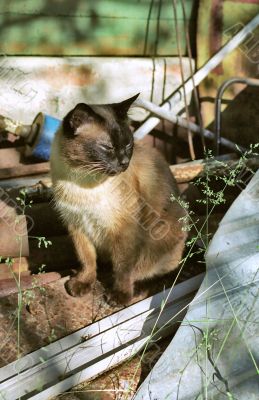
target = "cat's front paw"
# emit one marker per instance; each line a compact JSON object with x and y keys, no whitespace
{"x":119,"y":298}
{"x":77,"y":288}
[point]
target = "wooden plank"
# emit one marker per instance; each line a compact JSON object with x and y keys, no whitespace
{"x":24,"y":170}
{"x":10,"y":157}
{"x":9,"y":286}
{"x":105,"y":336}
{"x":184,"y":172}
{"x":11,"y":165}
{"x":20,"y":182}
{"x":189,"y":171}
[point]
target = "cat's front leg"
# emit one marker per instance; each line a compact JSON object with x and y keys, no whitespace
{"x":123,"y":287}
{"x":123,"y":261}
{"x":124,"y":256}
{"x":83,"y":281}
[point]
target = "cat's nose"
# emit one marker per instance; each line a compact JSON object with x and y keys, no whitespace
{"x":124,"y":162}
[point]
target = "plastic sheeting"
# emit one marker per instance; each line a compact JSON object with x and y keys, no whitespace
{"x":215,"y":352}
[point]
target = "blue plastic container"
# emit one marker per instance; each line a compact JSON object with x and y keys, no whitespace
{"x":40,"y":144}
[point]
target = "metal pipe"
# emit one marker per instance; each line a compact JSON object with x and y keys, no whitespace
{"x":245,"y":81}
{"x":162,"y":113}
{"x":174,"y":101}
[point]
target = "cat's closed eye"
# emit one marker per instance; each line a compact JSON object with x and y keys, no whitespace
{"x":128,"y":148}
{"x":106,"y":147}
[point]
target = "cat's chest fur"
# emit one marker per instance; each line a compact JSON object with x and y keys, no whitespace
{"x":85,"y":201}
{"x":99,"y":210}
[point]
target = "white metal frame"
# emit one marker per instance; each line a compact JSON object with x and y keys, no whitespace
{"x":96,"y":348}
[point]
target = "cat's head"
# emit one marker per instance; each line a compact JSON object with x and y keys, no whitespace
{"x":98,"y":138}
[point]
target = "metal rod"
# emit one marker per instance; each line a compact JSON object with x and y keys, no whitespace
{"x":165,"y":114}
{"x":245,"y":81}
{"x":175,"y":100}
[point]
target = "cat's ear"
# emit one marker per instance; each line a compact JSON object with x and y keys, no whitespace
{"x":76,"y":117}
{"x":122,"y":108}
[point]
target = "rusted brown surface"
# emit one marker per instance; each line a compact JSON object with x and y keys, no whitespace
{"x":50,"y":315}
{"x":11,"y":286}
{"x":13,"y":164}
{"x":9,"y":275}
{"x":18,"y":265}
{"x":10,"y":157}
{"x":13,"y":236}
{"x":24,"y":170}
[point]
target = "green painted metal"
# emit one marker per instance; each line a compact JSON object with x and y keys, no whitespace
{"x":93,"y":27}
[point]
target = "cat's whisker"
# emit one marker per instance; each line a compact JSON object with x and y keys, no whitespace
{"x":84,"y":170}
{"x":92,"y":168}
{"x":91,"y":164}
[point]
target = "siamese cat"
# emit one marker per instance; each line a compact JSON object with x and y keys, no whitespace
{"x":114,"y":197}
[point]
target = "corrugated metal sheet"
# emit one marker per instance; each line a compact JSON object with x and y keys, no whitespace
{"x":215,"y":352}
